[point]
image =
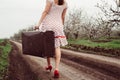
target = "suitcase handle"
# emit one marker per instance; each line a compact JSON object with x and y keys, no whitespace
{"x":40,"y":29}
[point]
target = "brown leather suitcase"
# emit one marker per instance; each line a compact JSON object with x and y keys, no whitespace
{"x":38,"y":43}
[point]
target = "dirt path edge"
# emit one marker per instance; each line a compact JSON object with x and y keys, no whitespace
{"x":18,"y":68}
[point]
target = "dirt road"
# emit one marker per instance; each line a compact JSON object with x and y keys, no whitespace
{"x":69,"y":68}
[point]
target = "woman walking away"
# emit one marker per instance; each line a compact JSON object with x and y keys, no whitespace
{"x":53,"y":19}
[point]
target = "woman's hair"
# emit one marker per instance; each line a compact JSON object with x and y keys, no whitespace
{"x":60,"y":2}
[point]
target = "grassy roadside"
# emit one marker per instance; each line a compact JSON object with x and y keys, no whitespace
{"x":113,"y":44}
{"x":105,"y":47}
{"x":5,"y":48}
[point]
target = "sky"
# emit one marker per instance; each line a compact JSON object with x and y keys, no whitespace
{"x":20,"y":14}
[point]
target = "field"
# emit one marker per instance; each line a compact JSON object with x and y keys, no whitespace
{"x":5,"y":48}
{"x":113,"y":44}
{"x":106,"y":47}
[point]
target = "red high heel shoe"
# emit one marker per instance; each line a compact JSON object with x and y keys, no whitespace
{"x":56,"y":74}
{"x":49,"y":68}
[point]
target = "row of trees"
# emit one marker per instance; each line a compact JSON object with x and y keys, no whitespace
{"x":104,"y":26}
{"x":18,"y":36}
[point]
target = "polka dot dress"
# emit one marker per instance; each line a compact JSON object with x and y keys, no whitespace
{"x":53,"y":21}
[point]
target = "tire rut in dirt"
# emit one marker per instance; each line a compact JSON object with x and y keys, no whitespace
{"x":99,"y":68}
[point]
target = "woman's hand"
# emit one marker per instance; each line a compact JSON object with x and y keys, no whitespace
{"x":36,"y":27}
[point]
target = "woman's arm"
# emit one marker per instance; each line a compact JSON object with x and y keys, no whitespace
{"x":45,"y":12}
{"x":63,"y":15}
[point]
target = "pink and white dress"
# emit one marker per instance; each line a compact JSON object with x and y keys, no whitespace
{"x":53,"y":22}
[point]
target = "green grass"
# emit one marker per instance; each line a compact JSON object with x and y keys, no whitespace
{"x":1,"y":40}
{"x":4,"y":58}
{"x":114,"y":44}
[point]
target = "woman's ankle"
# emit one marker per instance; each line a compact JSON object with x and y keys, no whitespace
{"x":56,"y":69}
{"x":49,"y":64}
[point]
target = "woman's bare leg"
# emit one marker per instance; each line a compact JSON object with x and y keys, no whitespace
{"x":48,"y":61}
{"x":57,"y":57}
